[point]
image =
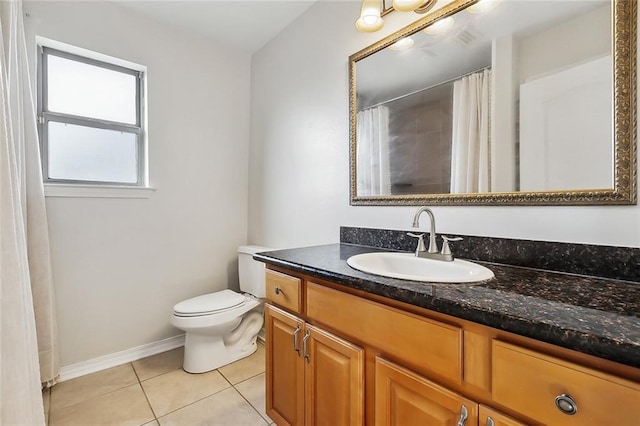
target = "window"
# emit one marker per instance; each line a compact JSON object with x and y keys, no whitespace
{"x":90,"y":117}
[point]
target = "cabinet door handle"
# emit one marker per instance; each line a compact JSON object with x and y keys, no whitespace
{"x":490,"y":422}
{"x":295,"y":340}
{"x":278,"y":290}
{"x":305,"y":352}
{"x":566,"y":404}
{"x":463,"y":416}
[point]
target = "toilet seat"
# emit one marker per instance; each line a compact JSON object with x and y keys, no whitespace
{"x":208,"y":304}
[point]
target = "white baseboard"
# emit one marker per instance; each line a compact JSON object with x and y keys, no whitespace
{"x":107,"y":361}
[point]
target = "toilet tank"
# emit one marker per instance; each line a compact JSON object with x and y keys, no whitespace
{"x":251,"y":272}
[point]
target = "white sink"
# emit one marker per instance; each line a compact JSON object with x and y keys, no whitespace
{"x":407,"y":266}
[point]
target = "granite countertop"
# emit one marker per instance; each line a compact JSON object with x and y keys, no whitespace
{"x":596,"y":316}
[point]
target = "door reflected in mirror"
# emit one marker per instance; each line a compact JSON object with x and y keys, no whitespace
{"x":516,"y":104}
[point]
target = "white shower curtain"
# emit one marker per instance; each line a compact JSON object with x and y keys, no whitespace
{"x":372,"y":152}
{"x":27,"y":321}
{"x":470,"y":151}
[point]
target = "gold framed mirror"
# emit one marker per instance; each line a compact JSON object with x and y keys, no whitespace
{"x":529,"y":102}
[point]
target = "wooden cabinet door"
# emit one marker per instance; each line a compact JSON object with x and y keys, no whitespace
{"x":284,"y":367}
{"x":491,"y":417}
{"x":404,"y":398}
{"x":334,"y":376}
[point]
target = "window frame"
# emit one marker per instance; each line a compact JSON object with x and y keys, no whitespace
{"x":45,"y":116}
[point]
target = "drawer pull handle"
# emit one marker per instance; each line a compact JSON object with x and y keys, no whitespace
{"x":490,"y":422}
{"x":305,"y":352}
{"x":295,"y":340}
{"x":566,"y":404}
{"x":463,"y":416}
{"x":279,"y":290}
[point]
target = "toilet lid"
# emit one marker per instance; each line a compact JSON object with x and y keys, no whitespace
{"x":209,"y":303}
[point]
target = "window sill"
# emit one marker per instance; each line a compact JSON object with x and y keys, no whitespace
{"x":97,"y":191}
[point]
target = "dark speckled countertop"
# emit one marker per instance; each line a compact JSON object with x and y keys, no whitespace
{"x":596,"y":316}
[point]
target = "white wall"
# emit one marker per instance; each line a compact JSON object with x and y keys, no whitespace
{"x":586,"y":37}
{"x":121,"y":264}
{"x":299,"y":174}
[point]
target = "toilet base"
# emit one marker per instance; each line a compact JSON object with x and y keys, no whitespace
{"x":197,"y":361}
{"x":203,"y":352}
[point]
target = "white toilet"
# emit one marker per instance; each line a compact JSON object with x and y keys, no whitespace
{"x":222,"y":327}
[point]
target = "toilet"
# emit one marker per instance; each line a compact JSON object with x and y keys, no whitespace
{"x":222,"y":327}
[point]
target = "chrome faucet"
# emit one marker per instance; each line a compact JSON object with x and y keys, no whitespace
{"x":432,"y":252}
{"x":433,"y":245}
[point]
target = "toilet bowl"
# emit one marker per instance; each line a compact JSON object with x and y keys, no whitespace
{"x":222,"y":327}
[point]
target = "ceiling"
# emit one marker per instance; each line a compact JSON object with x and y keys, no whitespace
{"x":246,"y":25}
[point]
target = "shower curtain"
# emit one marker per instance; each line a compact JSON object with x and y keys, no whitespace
{"x":28,"y":348}
{"x":372,"y":152}
{"x":470,"y":151}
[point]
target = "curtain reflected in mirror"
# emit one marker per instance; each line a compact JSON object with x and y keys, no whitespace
{"x":373,"y":152}
{"x":433,"y":141}
{"x":470,"y":151}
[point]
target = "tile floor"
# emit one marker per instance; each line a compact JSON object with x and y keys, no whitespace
{"x":156,"y":391}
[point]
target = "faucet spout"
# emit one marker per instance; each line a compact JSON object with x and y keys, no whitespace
{"x":433,"y":245}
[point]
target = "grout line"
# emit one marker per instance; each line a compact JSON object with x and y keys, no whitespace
{"x":249,"y":378}
{"x":193,"y":402}
{"x":146,"y":397}
{"x":251,"y":405}
{"x":224,"y":377}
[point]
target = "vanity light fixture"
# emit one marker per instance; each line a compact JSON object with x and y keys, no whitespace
{"x":407,"y":5}
{"x":371,"y":12}
{"x":370,"y":19}
{"x":440,"y":27}
{"x":402,"y":44}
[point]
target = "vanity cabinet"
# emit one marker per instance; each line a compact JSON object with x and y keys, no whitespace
{"x":306,"y":368}
{"x":404,"y":398}
{"x":342,"y":356}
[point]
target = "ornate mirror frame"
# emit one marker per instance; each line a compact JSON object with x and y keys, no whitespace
{"x":624,"y":126}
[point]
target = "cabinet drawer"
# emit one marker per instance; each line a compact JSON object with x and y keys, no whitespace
{"x":422,"y":344}
{"x":529,"y":382}
{"x":284,"y":290}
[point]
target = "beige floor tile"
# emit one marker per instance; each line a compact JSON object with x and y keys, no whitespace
{"x":246,"y":367}
{"x":253,"y":390}
{"x":91,"y":386}
{"x":156,"y":365}
{"x":226,"y":408}
{"x":123,"y":407}
{"x":175,"y":389}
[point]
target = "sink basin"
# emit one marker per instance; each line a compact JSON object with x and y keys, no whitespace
{"x":407,"y":266}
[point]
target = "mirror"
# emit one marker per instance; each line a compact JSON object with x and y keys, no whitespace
{"x":498,"y":102}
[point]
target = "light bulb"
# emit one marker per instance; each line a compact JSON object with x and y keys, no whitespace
{"x":369,"y":20}
{"x":407,"y":5}
{"x":362,"y":25}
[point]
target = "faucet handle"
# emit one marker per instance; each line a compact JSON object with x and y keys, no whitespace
{"x":445,"y":243}
{"x":420,"y":238}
